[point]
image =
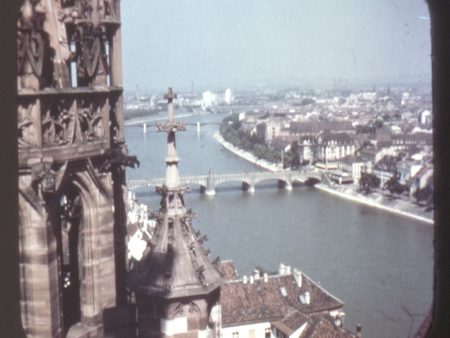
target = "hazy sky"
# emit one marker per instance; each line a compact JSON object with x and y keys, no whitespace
{"x":250,"y":43}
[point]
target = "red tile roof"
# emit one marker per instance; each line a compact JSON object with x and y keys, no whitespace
{"x":227,"y":270}
{"x":264,"y":301}
{"x":323,"y":327}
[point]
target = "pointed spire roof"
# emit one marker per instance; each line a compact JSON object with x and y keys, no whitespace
{"x":178,"y":265}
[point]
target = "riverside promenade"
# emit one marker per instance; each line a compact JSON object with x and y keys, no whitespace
{"x":349,"y":192}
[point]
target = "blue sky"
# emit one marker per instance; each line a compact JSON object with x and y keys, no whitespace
{"x":253,"y":43}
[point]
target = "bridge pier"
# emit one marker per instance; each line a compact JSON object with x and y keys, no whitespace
{"x":210,"y":192}
{"x":250,"y":188}
{"x":284,"y":185}
{"x":210,"y":189}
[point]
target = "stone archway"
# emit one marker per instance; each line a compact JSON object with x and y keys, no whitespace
{"x":50,"y":248}
{"x":91,"y":242}
{"x":70,"y":250}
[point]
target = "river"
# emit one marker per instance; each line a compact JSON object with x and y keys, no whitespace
{"x":380,"y":264}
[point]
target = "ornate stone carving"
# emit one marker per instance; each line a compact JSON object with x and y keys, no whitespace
{"x":58,"y":124}
{"x":58,"y":121}
{"x":85,"y":8}
{"x":110,"y":10}
{"x":46,"y":179}
{"x":193,"y":307}
{"x":25,"y":126}
{"x":89,"y":121}
{"x":118,"y":156}
{"x":55,"y":29}
{"x":178,"y":311}
{"x":115,"y":132}
{"x":90,"y":53}
{"x":32,"y":45}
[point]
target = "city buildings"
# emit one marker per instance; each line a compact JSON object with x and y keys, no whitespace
{"x":349,"y":133}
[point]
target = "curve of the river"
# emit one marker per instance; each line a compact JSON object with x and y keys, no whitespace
{"x":380,"y":264}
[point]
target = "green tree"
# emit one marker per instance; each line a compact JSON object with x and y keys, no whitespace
{"x":368,"y":183}
{"x":394,"y":186}
{"x":232,"y":131}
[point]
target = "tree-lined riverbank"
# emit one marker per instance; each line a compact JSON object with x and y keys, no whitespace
{"x":349,"y":192}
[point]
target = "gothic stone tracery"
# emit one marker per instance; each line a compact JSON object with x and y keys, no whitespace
{"x":71,"y":181}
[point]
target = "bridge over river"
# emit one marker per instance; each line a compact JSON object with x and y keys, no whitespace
{"x":208,"y":183}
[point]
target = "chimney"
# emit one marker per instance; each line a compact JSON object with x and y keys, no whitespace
{"x":298,"y":277}
{"x":251,"y":279}
{"x":307,"y":298}
{"x":287,"y":270}
{"x":359,"y":330}
{"x":244,"y":279}
{"x":257,"y":274}
{"x":339,"y":319}
{"x":281,"y":269}
{"x":265,"y":277}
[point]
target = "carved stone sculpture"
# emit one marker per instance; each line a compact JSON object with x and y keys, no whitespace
{"x":30,"y":46}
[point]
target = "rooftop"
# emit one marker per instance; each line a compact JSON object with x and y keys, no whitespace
{"x":261,"y":299}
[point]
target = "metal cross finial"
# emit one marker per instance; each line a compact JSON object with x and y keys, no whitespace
{"x":170,"y":95}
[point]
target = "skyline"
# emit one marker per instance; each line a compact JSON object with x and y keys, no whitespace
{"x":237,"y":45}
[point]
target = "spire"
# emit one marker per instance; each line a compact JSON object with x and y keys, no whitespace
{"x":172,"y":190}
{"x":178,"y":265}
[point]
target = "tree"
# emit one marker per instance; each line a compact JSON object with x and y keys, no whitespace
{"x":287,"y":159}
{"x":424,"y":195}
{"x":394,"y":186}
{"x":295,"y":157}
{"x":368,"y":183}
{"x":378,"y":123}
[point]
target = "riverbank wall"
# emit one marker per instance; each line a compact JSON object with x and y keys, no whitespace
{"x":246,"y":155}
{"x":375,"y":200}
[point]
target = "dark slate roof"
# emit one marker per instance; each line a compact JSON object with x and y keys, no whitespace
{"x":383,"y":134}
{"x":351,"y":159}
{"x":341,"y":138}
{"x":314,"y":127}
{"x":177,"y":266}
{"x":264,"y":301}
{"x":227,"y":270}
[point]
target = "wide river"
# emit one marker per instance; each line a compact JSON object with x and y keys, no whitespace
{"x":380,"y":264}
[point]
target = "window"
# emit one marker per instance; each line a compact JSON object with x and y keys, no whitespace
{"x":235,"y":334}
{"x":279,"y":334}
{"x":268,"y":332}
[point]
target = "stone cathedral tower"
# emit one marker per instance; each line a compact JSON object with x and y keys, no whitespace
{"x":71,"y":166}
{"x":177,"y":287}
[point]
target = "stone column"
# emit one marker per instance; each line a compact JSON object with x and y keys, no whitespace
{"x":39,"y":272}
